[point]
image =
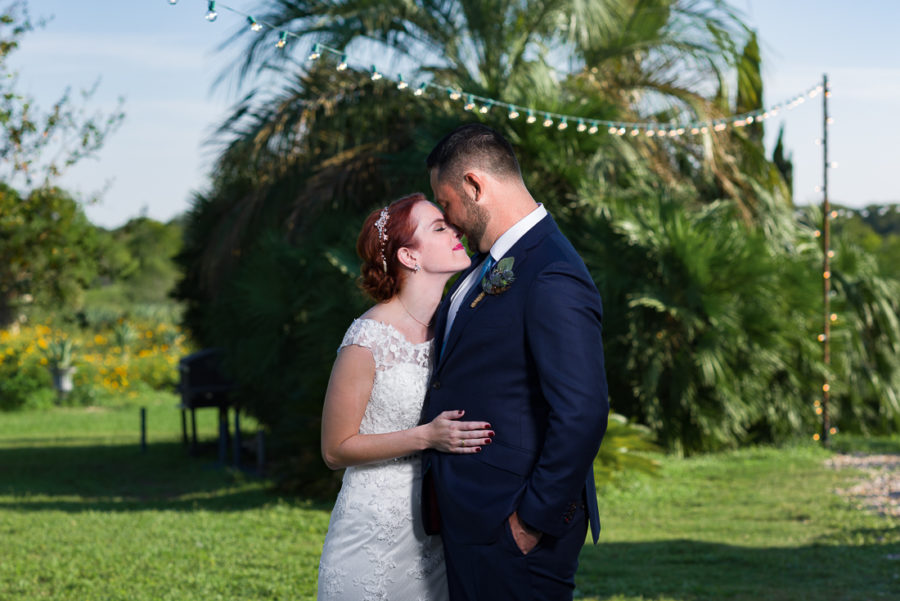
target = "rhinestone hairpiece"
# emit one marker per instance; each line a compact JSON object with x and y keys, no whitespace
{"x":381,"y":226}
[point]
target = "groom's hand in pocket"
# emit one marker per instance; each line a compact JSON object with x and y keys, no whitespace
{"x":526,"y":537}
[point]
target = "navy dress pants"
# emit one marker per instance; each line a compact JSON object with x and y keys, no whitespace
{"x":500,"y":572}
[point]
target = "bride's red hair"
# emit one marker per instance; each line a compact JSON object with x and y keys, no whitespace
{"x":400,"y":229}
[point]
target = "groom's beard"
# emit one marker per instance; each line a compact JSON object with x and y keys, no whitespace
{"x":476,"y":224}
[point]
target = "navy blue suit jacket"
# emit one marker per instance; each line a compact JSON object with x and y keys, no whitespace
{"x":529,"y":361}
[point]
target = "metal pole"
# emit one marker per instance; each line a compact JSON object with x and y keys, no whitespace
{"x":143,"y":429}
{"x":826,"y":267}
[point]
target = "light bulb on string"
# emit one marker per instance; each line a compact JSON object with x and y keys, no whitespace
{"x":314,"y":53}
{"x":562,"y":124}
{"x":486,"y":107}
{"x":211,"y":13}
{"x":342,"y":65}
{"x":826,"y":387}
{"x":173,"y":2}
{"x":470,"y":103}
{"x":817,"y":403}
{"x":454,"y":94}
{"x":650,"y":133}
{"x":821,"y":337}
{"x":704,"y":129}
{"x":401,"y":85}
{"x":619,"y":132}
{"x":254,"y":25}
{"x":282,"y":41}
{"x":547,"y":120}
{"x":816,"y":437}
{"x":826,"y":275}
{"x":594,"y":128}
{"x":375,"y":74}
{"x":635,"y":132}
{"x":818,"y":411}
{"x":833,"y":317}
{"x":695,"y":130}
{"x":530,"y":118}
{"x":834,"y":214}
{"x":612,"y":129}
{"x":830,"y":254}
{"x":817,"y":233}
{"x":581,"y":126}
{"x":680,"y":131}
{"x":421,"y":89}
{"x":513,"y":113}
{"x":832,"y":430}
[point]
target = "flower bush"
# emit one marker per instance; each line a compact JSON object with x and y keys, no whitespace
{"x":114,"y":362}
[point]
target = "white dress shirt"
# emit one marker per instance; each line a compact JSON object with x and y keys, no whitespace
{"x":501,"y":247}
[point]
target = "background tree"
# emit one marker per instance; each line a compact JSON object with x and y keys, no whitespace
{"x":46,"y":242}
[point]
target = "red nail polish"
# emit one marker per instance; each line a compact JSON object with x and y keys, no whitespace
{"x":487,"y":441}
{"x":477,"y":449}
{"x":491,"y":433}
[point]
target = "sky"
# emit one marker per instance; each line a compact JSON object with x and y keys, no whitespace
{"x":163,"y":60}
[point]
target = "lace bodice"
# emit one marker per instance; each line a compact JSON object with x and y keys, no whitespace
{"x":376,"y":548}
{"x":401,"y":375}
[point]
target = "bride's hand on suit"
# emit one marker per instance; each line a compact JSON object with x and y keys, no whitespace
{"x":448,"y":434}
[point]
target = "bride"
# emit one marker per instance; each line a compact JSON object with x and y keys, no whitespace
{"x":376,"y":547}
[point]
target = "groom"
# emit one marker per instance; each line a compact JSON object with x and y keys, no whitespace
{"x":518,"y":344}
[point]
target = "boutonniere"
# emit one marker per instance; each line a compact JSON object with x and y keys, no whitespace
{"x":498,"y":280}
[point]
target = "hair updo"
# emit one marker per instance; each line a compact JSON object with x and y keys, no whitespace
{"x":400,"y":228}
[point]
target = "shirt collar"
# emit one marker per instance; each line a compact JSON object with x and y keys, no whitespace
{"x":520,"y":228}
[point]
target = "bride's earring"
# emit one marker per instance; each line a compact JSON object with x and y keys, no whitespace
{"x":417,"y":268}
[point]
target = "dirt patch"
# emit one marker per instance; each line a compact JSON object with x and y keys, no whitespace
{"x":879,"y":491}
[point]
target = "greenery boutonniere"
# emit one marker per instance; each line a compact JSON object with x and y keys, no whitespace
{"x":498,"y":280}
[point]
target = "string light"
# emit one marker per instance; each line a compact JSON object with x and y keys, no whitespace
{"x":470,"y":104}
{"x":651,"y":129}
{"x":254,"y":25}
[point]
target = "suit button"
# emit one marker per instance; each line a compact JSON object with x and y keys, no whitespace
{"x":436,"y":385}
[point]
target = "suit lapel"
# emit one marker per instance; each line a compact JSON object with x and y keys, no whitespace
{"x":440,"y":323}
{"x":519,"y":252}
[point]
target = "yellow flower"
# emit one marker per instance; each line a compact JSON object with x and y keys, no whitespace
{"x":98,"y":339}
{"x":42,"y":342}
{"x":44,"y":361}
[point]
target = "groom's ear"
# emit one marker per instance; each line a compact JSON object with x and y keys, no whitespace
{"x":473,"y":184}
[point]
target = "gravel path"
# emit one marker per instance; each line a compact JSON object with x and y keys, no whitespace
{"x":880,"y":490}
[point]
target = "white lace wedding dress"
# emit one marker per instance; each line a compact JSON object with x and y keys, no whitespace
{"x":376,"y":548}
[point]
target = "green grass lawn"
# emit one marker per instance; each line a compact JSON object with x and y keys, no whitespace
{"x":85,"y":515}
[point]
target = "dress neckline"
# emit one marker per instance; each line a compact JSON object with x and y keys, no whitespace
{"x":398,"y":332}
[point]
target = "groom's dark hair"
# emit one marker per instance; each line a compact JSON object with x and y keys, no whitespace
{"x":473,"y":144}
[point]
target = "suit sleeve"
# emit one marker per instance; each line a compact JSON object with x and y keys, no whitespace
{"x":563,"y":334}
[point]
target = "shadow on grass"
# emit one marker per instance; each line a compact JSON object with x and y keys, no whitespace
{"x":121,"y":478}
{"x":698,"y":571}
